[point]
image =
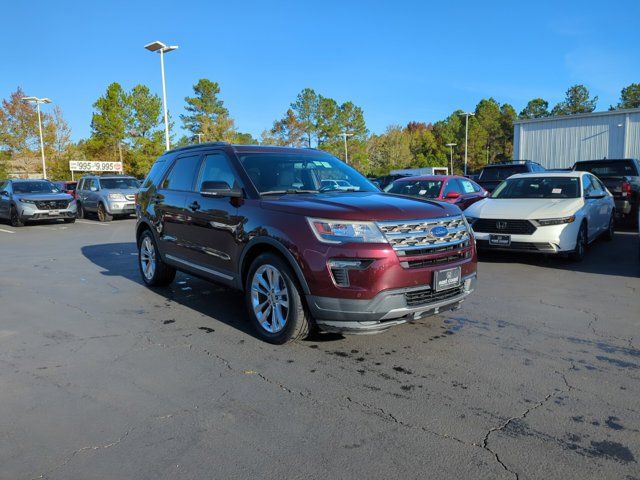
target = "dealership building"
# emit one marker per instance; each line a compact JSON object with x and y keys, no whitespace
{"x":559,"y":142}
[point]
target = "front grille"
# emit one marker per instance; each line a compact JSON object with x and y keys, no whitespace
{"x":417,"y":235}
{"x":427,"y":262}
{"x":515,"y":227}
{"x":426,"y":296}
{"x":530,"y":246}
{"x":52,"y":204}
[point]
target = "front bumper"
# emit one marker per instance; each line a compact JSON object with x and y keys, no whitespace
{"x":386,"y":309}
{"x":29,"y":212}
{"x":549,"y":239}
{"x":121,"y":207}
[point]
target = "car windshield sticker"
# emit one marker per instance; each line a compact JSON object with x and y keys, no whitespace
{"x":422,"y":192}
{"x":556,"y":191}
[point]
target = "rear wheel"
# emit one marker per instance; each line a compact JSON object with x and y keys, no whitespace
{"x":16,"y":221}
{"x":273,"y":300}
{"x":581,"y":244}
{"x":154,"y":271}
{"x":103,"y":215}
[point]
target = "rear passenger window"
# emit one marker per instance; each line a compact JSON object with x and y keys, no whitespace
{"x":182,"y":174}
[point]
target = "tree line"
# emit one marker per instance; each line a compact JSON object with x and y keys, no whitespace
{"x":128,"y":126}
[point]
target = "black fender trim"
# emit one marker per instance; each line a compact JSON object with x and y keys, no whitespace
{"x":285,"y":253}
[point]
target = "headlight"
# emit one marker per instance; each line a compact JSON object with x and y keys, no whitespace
{"x":338,"y":231}
{"x":545,"y":222}
{"x":116,"y":196}
{"x":26,"y":200}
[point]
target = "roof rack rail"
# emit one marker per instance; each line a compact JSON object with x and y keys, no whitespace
{"x":197,"y":145}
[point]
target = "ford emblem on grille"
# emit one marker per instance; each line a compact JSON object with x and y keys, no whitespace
{"x":439,"y":231}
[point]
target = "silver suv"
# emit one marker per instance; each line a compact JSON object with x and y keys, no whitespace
{"x":107,"y":196}
{"x":24,"y":201}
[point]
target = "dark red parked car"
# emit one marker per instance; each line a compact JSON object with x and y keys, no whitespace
{"x":67,"y":187}
{"x":455,"y":189}
{"x":308,"y":239}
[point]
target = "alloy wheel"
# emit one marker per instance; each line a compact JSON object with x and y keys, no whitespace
{"x":148,"y":258}
{"x":270,"y":298}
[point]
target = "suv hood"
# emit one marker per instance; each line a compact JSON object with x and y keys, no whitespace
{"x":43,"y":196}
{"x":123,"y":191}
{"x":372,"y":206}
{"x":524,"y":208}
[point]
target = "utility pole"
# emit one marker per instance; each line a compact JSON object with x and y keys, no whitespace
{"x":346,"y":153}
{"x":38,"y":101}
{"x":451,"y":145}
{"x":466,"y":137}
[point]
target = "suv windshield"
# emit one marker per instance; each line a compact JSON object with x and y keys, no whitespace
{"x":274,"y":173}
{"x":34,"y":187}
{"x":119,"y":183}
{"x":422,"y":188}
{"x":608,"y":168}
{"x":494,"y":174}
{"x":539,"y":187}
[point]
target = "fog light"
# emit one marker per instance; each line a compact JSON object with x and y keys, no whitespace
{"x":340,"y":269}
{"x":467,"y":284}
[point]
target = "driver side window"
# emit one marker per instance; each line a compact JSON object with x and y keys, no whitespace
{"x":216,"y":167}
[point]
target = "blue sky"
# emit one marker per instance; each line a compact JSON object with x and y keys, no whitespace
{"x":398,"y":60}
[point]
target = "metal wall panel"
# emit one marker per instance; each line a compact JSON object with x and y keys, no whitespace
{"x":560,"y":142}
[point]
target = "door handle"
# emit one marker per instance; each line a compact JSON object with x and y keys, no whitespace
{"x":195,"y":206}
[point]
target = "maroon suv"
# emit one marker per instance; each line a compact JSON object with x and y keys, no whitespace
{"x":338,"y":255}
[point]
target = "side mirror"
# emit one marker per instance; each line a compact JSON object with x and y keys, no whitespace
{"x":596,"y":195}
{"x":219,"y":189}
{"x":4,"y":193}
{"x":452,"y":195}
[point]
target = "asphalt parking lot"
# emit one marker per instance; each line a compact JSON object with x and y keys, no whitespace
{"x":538,"y":376}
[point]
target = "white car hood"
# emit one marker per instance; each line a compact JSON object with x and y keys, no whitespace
{"x":524,"y":208}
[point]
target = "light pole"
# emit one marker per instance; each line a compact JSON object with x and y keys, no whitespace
{"x":346,"y":153}
{"x":199,"y":135}
{"x":466,"y":137}
{"x":162,"y":49}
{"x":38,"y":101}
{"x":451,"y":145}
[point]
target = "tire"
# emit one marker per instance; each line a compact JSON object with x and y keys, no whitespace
{"x":15,"y":219}
{"x":80,"y":212}
{"x":69,"y":220}
{"x":271,"y":290}
{"x":581,"y":244}
{"x":103,"y":215}
{"x":610,"y":232}
{"x":154,"y":272}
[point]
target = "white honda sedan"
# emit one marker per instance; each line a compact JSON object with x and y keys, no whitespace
{"x":545,"y":213}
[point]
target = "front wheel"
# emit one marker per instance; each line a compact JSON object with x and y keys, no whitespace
{"x":16,"y":221}
{"x":70,"y":220}
{"x":80,"y":211}
{"x":273,"y":300}
{"x":154,"y":271}
{"x":608,"y":235}
{"x":581,"y":244}
{"x":103,"y":215}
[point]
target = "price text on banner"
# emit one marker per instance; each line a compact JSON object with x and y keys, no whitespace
{"x":81,"y":166}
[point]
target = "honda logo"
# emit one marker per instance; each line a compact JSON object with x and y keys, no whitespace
{"x":501,"y":225}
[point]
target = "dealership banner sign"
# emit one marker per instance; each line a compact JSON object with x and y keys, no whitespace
{"x":81,"y":166}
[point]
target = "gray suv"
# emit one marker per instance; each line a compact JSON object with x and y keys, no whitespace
{"x":29,"y":200}
{"x":107,"y":196}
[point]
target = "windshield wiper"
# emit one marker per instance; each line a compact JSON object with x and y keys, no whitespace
{"x":341,"y":189}
{"x":289,"y":191}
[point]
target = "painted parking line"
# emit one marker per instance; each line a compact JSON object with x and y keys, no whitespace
{"x":93,"y":223}
{"x":6,"y":231}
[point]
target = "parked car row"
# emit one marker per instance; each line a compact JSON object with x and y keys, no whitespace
{"x":108,"y":196}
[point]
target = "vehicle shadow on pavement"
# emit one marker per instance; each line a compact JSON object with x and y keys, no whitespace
{"x":210,"y":300}
{"x":620,"y":257}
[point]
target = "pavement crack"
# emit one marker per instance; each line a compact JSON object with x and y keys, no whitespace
{"x":77,"y":452}
{"x":485,"y":440}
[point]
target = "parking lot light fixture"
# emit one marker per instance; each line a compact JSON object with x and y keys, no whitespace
{"x":451,"y":145}
{"x":38,"y":101}
{"x":161,"y":48}
{"x":466,"y":137}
